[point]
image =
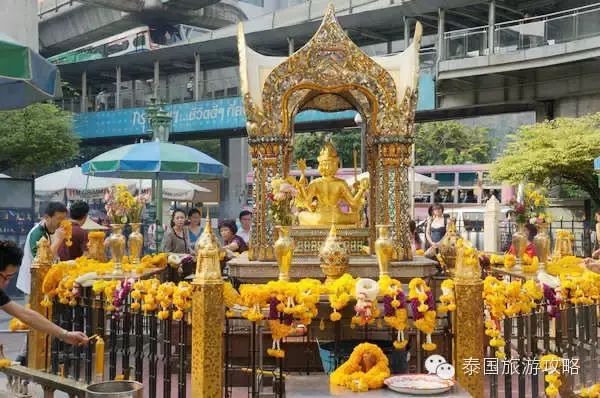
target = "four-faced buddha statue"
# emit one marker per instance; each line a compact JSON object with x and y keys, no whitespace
{"x":324,"y":197}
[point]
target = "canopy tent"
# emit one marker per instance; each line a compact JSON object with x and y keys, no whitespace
{"x":422,"y":183}
{"x":178,"y":190}
{"x":25,"y":76}
{"x":155,"y":159}
{"x":73,"y":184}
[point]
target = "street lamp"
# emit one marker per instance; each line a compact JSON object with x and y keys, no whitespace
{"x":160,"y":126}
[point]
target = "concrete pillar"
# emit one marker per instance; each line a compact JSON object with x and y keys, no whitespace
{"x":156,"y":80}
{"x":118,"y":90}
{"x":441,"y":31}
{"x":83,"y":92}
{"x":491,"y":221}
{"x":133,"y":93}
{"x":196,"y":77}
{"x":290,"y":41}
{"x":406,"y":32}
{"x":233,"y":195}
{"x":491,"y":24}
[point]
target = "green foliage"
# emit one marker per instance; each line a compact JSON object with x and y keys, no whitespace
{"x":557,"y":151}
{"x":451,"y":142}
{"x":210,"y":147}
{"x":308,"y":145}
{"x":36,"y":137}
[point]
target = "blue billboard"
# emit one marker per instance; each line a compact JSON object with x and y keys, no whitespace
{"x":206,"y":116}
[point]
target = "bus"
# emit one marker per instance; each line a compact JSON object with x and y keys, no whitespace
{"x":134,"y":40}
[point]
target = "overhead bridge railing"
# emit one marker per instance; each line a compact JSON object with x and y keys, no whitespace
{"x":544,"y":30}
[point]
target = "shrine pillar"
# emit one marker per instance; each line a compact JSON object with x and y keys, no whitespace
{"x":392,"y":198}
{"x":268,"y":154}
{"x":38,"y":342}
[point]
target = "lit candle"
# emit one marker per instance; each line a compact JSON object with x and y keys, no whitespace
{"x":100,"y":358}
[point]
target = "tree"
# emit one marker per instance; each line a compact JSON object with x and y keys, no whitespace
{"x":308,"y":145}
{"x":451,"y":142}
{"x":36,"y":137}
{"x":557,"y":151}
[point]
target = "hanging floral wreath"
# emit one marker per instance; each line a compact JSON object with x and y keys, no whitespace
{"x":395,"y":313}
{"x":423,"y":310}
{"x":366,"y":369}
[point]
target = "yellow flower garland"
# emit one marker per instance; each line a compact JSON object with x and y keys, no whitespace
{"x":355,"y":374}
{"x":417,"y":290}
{"x":392,"y":288}
{"x":591,"y":392}
{"x":552,"y":365}
{"x":339,"y":292}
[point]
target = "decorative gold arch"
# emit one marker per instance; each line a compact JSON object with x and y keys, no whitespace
{"x":331,"y":73}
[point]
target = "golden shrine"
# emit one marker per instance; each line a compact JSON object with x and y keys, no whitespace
{"x":331,"y":73}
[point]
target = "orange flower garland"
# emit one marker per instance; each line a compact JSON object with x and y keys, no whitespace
{"x":366,"y":369}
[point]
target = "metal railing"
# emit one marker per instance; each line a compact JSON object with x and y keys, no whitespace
{"x":140,"y":97}
{"x":544,"y":30}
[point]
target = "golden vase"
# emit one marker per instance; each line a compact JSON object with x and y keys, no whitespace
{"x":519,"y":243}
{"x":447,"y":245}
{"x":136,"y":243}
{"x":116,"y":242}
{"x":542,"y":244}
{"x":384,"y":249}
{"x":334,"y":256}
{"x":284,"y":251}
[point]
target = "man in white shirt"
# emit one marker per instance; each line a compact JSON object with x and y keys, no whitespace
{"x":246,"y":224}
{"x":48,"y":228}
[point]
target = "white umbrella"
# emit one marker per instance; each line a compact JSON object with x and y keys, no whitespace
{"x":74,"y":183}
{"x":422,"y":183}
{"x":178,"y":190}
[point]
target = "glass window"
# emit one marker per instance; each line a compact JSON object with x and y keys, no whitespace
{"x":467,"y":179}
{"x":444,"y":196}
{"x":116,"y":47}
{"x":139,"y":41}
{"x":232,"y":92}
{"x":426,"y":174}
{"x":445,"y":179}
{"x":219,"y":93}
{"x":259,"y":3}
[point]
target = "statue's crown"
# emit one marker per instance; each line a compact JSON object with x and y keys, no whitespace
{"x":327,"y":152}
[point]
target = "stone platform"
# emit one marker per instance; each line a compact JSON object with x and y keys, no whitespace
{"x":318,"y":386}
{"x":247,"y":271}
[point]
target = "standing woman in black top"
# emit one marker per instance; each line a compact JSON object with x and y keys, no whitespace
{"x":436,"y":229}
{"x":10,"y":258}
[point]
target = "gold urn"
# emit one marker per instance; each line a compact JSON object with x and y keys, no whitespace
{"x":519,"y":243}
{"x":135,"y":243}
{"x":116,"y":242}
{"x":334,"y":256}
{"x":542,"y":244}
{"x":284,"y":250}
{"x":384,"y":249}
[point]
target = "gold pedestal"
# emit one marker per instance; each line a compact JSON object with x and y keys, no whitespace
{"x":207,"y":339}
{"x":469,"y":333}
{"x":308,"y":240}
{"x":37,"y":341}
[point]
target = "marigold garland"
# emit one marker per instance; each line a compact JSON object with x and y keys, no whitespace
{"x":591,"y":392}
{"x":447,"y":299}
{"x":366,"y":369}
{"x":423,"y":310}
{"x":552,"y":365}
{"x":340,"y":292}
{"x":395,"y":313}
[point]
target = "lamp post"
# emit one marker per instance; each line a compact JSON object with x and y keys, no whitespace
{"x":160,"y":126}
